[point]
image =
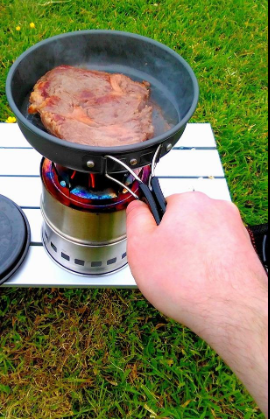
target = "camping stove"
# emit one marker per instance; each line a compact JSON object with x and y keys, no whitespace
{"x":84,"y":214}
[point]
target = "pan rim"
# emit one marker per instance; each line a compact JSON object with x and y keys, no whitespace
{"x":93,"y":149}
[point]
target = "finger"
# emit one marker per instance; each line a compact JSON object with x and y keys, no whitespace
{"x":140,"y":220}
{"x":140,"y":226}
{"x":181,"y":204}
{"x":186,"y":197}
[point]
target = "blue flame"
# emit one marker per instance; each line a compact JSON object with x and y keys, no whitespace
{"x":92,"y":195}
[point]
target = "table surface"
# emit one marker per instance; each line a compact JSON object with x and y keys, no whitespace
{"x":194,"y":164}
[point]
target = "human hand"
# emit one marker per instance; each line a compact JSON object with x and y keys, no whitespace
{"x":199,"y":267}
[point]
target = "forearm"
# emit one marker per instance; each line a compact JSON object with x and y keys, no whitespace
{"x":239,"y":334}
{"x":199,"y":267}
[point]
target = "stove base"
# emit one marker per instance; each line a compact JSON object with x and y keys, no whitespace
{"x":84,"y":259}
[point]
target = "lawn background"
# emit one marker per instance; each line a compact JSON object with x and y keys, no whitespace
{"x":109,"y":354}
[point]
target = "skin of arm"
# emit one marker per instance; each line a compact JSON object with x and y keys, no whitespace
{"x":199,"y":268}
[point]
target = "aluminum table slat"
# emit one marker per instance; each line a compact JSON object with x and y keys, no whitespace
{"x":194,"y":164}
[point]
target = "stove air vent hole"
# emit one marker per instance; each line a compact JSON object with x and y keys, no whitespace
{"x":64,"y":256}
{"x":124,"y":255}
{"x":79,"y":262}
{"x":54,"y":247}
{"x":96,"y":264}
{"x":112,"y":261}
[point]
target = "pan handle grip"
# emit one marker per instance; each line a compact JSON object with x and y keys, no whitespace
{"x":154,"y":199}
{"x":158,"y":195}
{"x":148,"y":198}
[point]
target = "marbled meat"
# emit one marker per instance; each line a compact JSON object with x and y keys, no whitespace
{"x":93,"y":108}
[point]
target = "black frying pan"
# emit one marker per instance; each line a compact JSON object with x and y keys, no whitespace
{"x":173,"y":85}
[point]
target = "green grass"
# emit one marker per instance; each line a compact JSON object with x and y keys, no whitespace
{"x":78,"y":354}
{"x":109,"y":354}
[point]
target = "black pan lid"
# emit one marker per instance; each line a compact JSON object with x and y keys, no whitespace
{"x":14,"y":238}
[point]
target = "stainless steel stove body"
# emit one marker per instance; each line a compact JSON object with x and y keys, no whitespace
{"x":84,"y":215}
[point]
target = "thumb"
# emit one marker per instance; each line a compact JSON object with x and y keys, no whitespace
{"x":140,"y":220}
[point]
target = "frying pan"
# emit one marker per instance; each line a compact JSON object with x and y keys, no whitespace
{"x":174,"y":88}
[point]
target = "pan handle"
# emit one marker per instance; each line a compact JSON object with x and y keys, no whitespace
{"x":152,"y":194}
{"x":149,"y":199}
{"x":154,"y":199}
{"x":158,"y":195}
{"x":154,"y":185}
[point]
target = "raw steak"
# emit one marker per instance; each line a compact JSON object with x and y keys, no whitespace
{"x":93,"y":108}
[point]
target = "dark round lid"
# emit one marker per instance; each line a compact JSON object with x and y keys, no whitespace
{"x":14,"y":238}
